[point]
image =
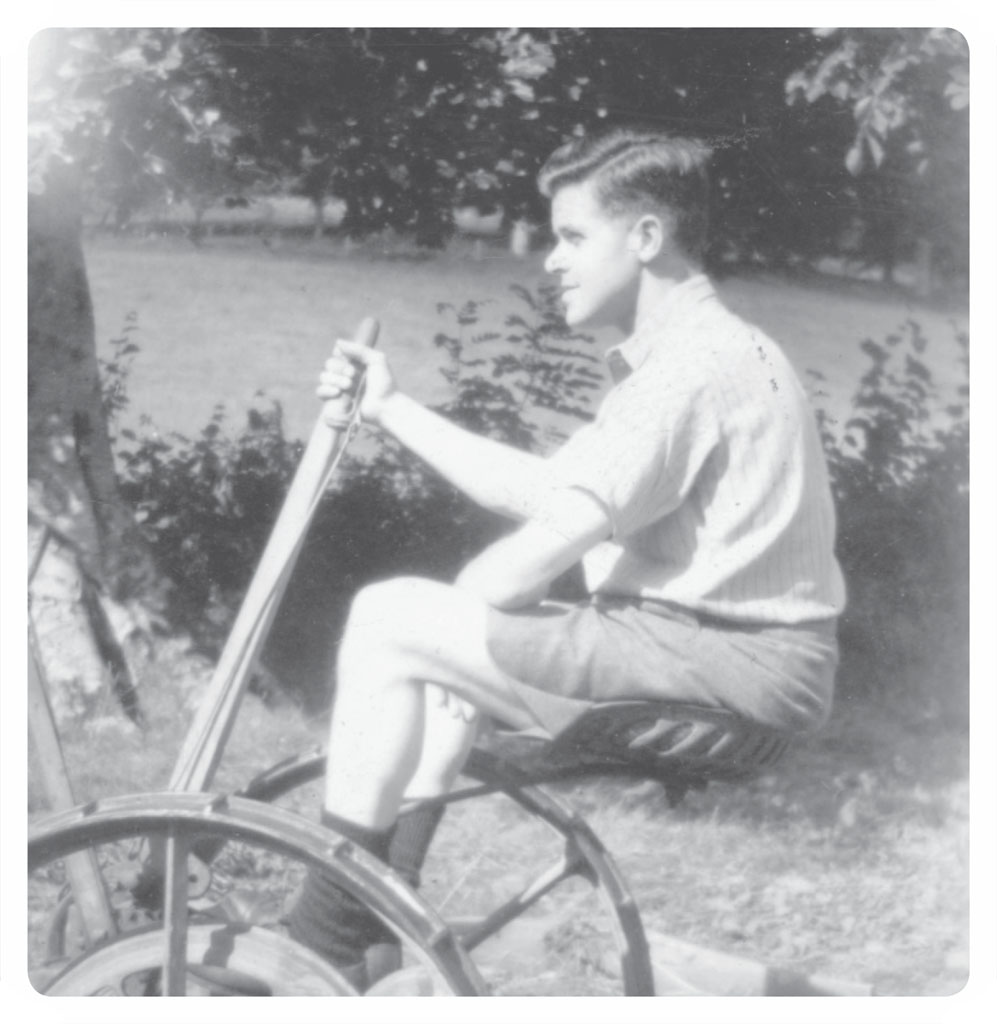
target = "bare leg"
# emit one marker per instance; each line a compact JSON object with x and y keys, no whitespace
{"x":446,"y":741}
{"x":401,"y":635}
{"x":450,"y":729}
{"x":408,"y":643}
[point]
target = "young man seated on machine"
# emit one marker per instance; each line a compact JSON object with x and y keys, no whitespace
{"x":698,"y":502}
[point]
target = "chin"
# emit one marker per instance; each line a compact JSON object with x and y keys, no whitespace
{"x":578,"y":317}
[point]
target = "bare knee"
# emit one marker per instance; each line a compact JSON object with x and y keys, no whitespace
{"x":403,"y":612}
{"x":382,"y":611}
{"x":383,"y":629}
{"x":411,"y":629}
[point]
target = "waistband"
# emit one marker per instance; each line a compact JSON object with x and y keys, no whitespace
{"x":668,"y":609}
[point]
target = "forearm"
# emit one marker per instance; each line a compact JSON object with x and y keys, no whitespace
{"x":491,"y":577}
{"x":501,"y":478}
{"x":518,"y":570}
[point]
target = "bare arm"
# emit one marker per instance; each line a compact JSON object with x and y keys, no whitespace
{"x":560,"y":524}
{"x":500,"y":478}
{"x":497,"y":476}
{"x":517,"y":570}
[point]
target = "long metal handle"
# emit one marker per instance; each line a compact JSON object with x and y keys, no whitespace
{"x":205,"y":742}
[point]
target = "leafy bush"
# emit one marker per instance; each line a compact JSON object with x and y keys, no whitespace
{"x":901,"y":484}
{"x":207,"y":505}
{"x":540,"y":366}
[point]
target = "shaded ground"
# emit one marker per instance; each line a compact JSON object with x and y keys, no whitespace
{"x":849,"y":860}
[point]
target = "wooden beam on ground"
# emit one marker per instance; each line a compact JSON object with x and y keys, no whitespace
{"x":682,"y":968}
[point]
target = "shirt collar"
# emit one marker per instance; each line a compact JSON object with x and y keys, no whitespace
{"x":676,"y":307}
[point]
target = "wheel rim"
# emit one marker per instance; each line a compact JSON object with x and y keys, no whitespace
{"x":180,"y":822}
{"x":583,"y":855}
{"x":222,"y":959}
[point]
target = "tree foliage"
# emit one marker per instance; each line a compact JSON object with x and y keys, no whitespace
{"x":839,"y":141}
{"x":907,"y":149}
{"x":833,"y":142}
{"x":132,"y":115}
{"x":379,"y":118}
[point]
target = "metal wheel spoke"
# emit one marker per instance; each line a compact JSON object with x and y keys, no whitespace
{"x":460,"y":889}
{"x":473,"y":935}
{"x":175,"y":914}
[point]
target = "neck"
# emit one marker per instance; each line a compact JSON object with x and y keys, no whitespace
{"x":657,"y":283}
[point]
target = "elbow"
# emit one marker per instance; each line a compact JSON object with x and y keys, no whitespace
{"x":507,"y":599}
{"x":505,"y":502}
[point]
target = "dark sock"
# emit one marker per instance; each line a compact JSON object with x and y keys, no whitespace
{"x":373,"y":840}
{"x":332,"y":921}
{"x":410,"y":843}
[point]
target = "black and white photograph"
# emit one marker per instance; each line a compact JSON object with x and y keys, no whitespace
{"x":498,"y":514}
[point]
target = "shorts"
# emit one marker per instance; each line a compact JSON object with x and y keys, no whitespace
{"x":564,"y":658}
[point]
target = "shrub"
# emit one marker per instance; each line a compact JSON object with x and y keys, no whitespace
{"x":901,"y":485}
{"x":540,"y":367}
{"x":207,"y":505}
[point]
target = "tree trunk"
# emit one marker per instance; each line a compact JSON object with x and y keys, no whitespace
{"x":520,"y":238}
{"x":924,"y":279}
{"x":73,"y":495}
{"x":318,"y":222}
{"x":197,"y":231}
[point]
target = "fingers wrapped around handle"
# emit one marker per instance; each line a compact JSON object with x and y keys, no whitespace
{"x":342,"y":385}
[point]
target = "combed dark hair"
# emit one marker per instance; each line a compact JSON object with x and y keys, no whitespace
{"x":632,"y":167}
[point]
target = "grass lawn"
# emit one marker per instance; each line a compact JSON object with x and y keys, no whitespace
{"x":850,"y":859}
{"x":218,"y":323}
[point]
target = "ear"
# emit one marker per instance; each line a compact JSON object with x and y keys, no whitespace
{"x":648,"y":236}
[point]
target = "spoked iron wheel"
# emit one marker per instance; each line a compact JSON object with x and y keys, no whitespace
{"x":207,"y":920}
{"x":570,"y":927}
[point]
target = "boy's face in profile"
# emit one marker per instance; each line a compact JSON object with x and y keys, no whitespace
{"x":595,"y":259}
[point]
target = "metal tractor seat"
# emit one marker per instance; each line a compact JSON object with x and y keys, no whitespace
{"x":682,"y":746}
